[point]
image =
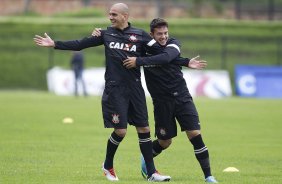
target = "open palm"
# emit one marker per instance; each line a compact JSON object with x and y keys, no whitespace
{"x":196,"y":63}
{"x":44,"y":41}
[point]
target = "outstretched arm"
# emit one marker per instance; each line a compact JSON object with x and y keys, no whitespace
{"x":160,"y":55}
{"x":75,"y":45}
{"x":44,"y":41}
{"x":194,"y":63}
{"x":169,"y":53}
{"x":181,"y":61}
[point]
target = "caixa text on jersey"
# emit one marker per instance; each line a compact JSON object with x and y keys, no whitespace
{"x":123,"y":46}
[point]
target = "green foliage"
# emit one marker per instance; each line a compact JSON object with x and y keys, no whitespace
{"x":36,"y":147}
{"x":218,"y":6}
{"x":85,"y":12}
{"x":24,"y":65}
{"x":30,"y":14}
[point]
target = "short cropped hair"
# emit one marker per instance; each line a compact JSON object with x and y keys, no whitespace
{"x":157,"y":23}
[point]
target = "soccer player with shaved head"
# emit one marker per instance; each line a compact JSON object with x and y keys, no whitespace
{"x":123,"y":100}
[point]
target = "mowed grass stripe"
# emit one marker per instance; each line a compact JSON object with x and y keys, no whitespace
{"x":37,"y":147}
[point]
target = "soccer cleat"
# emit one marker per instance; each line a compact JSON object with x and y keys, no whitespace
{"x":157,"y":177}
{"x":110,"y":174}
{"x":211,"y":179}
{"x":143,"y":168}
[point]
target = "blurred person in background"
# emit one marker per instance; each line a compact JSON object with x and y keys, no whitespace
{"x":77,"y":65}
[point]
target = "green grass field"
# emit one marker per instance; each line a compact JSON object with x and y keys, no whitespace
{"x":36,"y":147}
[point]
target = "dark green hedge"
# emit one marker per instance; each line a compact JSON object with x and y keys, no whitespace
{"x":24,"y":65}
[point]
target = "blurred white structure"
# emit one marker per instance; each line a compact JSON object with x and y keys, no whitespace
{"x":212,"y":84}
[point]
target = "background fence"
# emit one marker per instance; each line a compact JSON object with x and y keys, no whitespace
{"x":227,"y":9}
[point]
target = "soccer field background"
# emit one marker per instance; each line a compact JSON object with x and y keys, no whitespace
{"x":37,"y":147}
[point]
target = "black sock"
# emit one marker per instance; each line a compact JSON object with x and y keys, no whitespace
{"x":145,"y":144}
{"x":157,"y":148}
{"x":112,"y":146}
{"x":202,"y":154}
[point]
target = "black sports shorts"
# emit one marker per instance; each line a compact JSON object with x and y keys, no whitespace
{"x":166,"y":112}
{"x":122,"y":104}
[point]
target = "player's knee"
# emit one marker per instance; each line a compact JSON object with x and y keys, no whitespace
{"x":143,"y":129}
{"x":121,"y":132}
{"x":193,"y":133}
{"x":165,"y":143}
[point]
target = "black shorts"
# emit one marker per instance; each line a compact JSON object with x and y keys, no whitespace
{"x":124,"y":104}
{"x":166,"y":112}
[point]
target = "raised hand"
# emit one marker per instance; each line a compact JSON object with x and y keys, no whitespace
{"x":96,"y":32}
{"x":44,"y":41}
{"x":196,"y":63}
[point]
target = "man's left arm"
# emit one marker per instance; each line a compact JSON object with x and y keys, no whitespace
{"x":181,"y":61}
{"x":169,"y":53}
{"x":194,"y":63}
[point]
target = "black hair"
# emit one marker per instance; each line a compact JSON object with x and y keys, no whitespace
{"x":157,"y":23}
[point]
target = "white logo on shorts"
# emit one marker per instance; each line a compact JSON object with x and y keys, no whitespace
{"x":162,"y":131}
{"x":115,"y":118}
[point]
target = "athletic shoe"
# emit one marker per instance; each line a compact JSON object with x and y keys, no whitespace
{"x":211,"y":179}
{"x":157,"y":177}
{"x":143,"y":168}
{"x":110,"y":174}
